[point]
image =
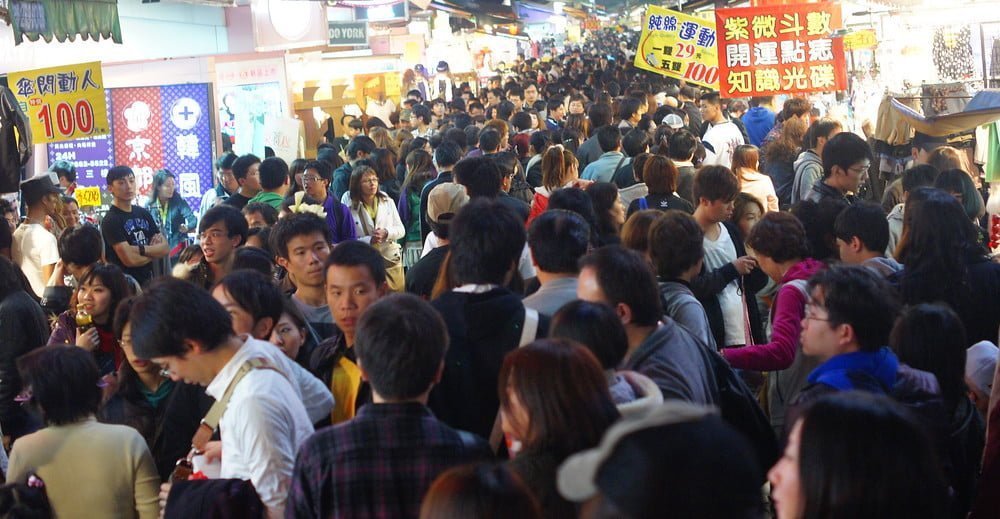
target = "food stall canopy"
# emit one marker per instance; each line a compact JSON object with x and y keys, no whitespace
{"x":65,"y":20}
{"x":984,"y":108}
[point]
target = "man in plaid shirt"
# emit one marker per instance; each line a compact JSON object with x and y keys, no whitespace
{"x":381,"y":463}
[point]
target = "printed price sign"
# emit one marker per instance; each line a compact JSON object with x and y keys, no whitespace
{"x":780,"y":49}
{"x":680,"y":46}
{"x":88,"y":196}
{"x":864,"y":39}
{"x":62,"y":103}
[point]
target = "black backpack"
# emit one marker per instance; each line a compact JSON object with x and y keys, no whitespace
{"x":739,"y":407}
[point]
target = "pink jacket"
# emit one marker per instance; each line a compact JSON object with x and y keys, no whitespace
{"x":786,"y":325}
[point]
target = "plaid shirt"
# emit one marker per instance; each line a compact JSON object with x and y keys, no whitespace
{"x":378,"y":465}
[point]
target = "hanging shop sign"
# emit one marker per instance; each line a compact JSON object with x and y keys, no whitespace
{"x":152,"y":128}
{"x":347,"y":33}
{"x":679,"y":46}
{"x":62,"y":103}
{"x":864,"y":39}
{"x":780,"y":49}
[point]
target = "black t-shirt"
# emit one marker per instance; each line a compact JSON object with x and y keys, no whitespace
{"x":520,"y":208}
{"x":661,"y":202}
{"x":6,"y":236}
{"x":237,"y":200}
{"x":421,"y":276}
{"x":135,"y":228}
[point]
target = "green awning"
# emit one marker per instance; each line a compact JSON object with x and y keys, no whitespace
{"x":65,"y":20}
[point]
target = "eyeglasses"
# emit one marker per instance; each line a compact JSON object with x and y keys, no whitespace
{"x":214,"y":234}
{"x":811,"y":312}
{"x":310,"y":179}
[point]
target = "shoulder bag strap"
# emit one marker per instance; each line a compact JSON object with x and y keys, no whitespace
{"x":529,"y":330}
{"x":211,"y":420}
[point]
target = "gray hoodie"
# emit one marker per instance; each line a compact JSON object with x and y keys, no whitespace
{"x":883,"y":266}
{"x":680,"y":304}
{"x":895,"y":219}
{"x":808,"y":169}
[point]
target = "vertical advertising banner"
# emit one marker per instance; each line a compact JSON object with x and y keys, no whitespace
{"x":679,"y":46}
{"x":187,"y":139}
{"x":93,"y":156}
{"x":138,"y":143}
{"x":62,"y":103}
{"x":780,"y":49}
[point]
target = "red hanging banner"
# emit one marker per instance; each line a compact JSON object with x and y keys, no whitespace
{"x":780,"y":49}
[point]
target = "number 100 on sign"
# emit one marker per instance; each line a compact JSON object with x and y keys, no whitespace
{"x":66,"y":120}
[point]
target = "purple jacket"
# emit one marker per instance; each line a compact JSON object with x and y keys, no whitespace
{"x":341,"y":228}
{"x":786,"y":325}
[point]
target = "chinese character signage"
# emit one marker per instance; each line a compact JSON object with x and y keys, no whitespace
{"x":62,"y":103}
{"x":153,"y":128}
{"x":780,"y":49}
{"x":679,"y":46}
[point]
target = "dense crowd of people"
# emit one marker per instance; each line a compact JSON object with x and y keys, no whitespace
{"x":579,"y":291}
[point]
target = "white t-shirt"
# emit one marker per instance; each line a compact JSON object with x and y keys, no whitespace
{"x":723,"y":138}
{"x":717,"y":254}
{"x":34,"y":247}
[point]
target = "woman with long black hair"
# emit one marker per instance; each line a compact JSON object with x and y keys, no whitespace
{"x":24,"y":329}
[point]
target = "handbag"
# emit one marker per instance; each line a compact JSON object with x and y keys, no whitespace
{"x":391,"y":251}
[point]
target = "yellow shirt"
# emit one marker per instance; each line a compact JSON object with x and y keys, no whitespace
{"x":345,"y":382}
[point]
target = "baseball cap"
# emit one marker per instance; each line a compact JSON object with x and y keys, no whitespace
{"x":980,"y":365}
{"x":675,"y":456}
{"x":674,"y":121}
{"x":35,"y":188}
{"x":445,"y":200}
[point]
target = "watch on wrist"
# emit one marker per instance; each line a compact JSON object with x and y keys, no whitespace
{"x":142,"y":250}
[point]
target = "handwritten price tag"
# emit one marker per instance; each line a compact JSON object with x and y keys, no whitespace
{"x":88,"y":196}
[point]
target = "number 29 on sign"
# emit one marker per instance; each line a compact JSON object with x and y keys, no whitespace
{"x":66,"y":119}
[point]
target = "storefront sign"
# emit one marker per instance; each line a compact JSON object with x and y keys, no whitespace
{"x":780,"y":49}
{"x":679,"y":46}
{"x":348,"y":33}
{"x":154,"y":128}
{"x":62,"y":103}
{"x":860,"y":40}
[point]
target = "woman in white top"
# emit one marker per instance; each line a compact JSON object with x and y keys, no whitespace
{"x":753,"y":182}
{"x":377,"y":222}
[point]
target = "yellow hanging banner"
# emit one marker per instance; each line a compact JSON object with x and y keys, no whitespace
{"x":62,"y":103}
{"x":680,"y":46}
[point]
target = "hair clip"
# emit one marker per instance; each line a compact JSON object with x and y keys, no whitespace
{"x":35,"y":481}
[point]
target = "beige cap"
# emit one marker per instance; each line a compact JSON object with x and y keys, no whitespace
{"x":445,"y":199}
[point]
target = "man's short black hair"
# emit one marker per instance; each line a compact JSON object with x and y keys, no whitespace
{"x":421,"y":112}
{"x":480,"y":176}
{"x":81,"y":245}
{"x":487,"y":239}
{"x":447,"y":154}
{"x":489,"y":140}
{"x":554,"y":104}
{"x":558,"y":239}
{"x":117,"y":173}
{"x":64,"y":169}
{"x":225,"y":161}
{"x":711,"y":98}
{"x":599,"y":115}
{"x":63,"y":382}
{"x":609,"y":138}
{"x":682,"y":145}
{"x":859,"y":297}
{"x":521,"y":121}
{"x":866,"y":220}
{"x":255,"y":259}
{"x":298,"y":224}
{"x":269,"y":213}
{"x":676,"y":243}
{"x":715,"y":183}
{"x":505,"y":110}
{"x":515,"y":90}
{"x":845,"y":150}
{"x":628,"y":107}
{"x":635,"y":142}
{"x":273,"y":173}
{"x":357,"y":254}
{"x":456,"y":135}
{"x":171,"y":311}
{"x":360,"y":144}
{"x":241,"y":166}
{"x":255,"y":293}
{"x":322,"y":168}
{"x":400,"y":343}
{"x":922,"y":175}
{"x":625,"y":277}
{"x":236,"y":224}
